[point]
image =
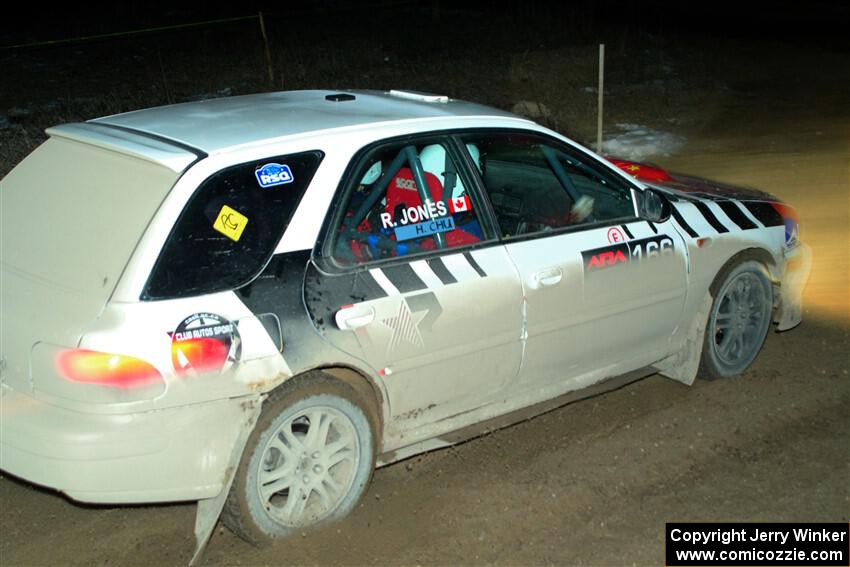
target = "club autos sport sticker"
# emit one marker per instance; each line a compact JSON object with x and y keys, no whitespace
{"x":426,"y":219}
{"x":204,"y":342}
{"x":645,"y":249}
{"x":273,"y":174}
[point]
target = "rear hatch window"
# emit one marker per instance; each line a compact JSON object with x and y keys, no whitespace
{"x":71,"y":215}
{"x":229,"y":228}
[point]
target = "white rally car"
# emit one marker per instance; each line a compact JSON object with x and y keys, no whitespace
{"x":252,"y":302}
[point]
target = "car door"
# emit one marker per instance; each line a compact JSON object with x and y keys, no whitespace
{"x":603,"y":291}
{"x":413,"y":281}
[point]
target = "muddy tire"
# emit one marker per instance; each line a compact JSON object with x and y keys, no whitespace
{"x":308,"y":461}
{"x":738,"y":322}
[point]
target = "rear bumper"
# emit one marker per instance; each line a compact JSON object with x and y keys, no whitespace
{"x":154,"y":456}
{"x":798,"y":264}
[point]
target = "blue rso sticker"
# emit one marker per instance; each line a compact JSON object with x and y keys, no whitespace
{"x":273,"y":174}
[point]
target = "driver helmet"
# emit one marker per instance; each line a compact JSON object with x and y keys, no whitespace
{"x":433,"y":159}
{"x":372,"y":174}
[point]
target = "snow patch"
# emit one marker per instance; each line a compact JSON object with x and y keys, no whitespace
{"x":636,"y":142}
{"x":221,"y":93}
{"x":532,"y":109}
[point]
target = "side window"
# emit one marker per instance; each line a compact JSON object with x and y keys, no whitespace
{"x":535,"y":186}
{"x":230,"y":226}
{"x":407,"y":197}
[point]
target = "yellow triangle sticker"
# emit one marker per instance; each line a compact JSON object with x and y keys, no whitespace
{"x":230,"y":223}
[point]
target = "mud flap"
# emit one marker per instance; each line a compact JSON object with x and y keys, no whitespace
{"x":210,"y":509}
{"x":682,"y":366}
{"x":790,"y":311}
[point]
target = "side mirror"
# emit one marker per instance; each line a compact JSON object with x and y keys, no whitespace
{"x":653,"y":206}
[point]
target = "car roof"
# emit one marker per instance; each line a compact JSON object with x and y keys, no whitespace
{"x":216,"y":125}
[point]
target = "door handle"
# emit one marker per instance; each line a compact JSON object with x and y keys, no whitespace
{"x":548,"y":278}
{"x":349,"y":317}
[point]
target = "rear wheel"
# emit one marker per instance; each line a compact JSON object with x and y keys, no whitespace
{"x":308,"y":461}
{"x":738,"y":322}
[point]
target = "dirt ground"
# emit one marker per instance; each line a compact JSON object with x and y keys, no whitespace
{"x":594,"y":482}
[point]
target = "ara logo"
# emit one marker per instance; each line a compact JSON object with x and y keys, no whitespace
{"x":273,"y":174}
{"x":607,"y":258}
{"x":627,"y":252}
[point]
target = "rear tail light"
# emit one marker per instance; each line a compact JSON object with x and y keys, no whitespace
{"x":106,"y":369}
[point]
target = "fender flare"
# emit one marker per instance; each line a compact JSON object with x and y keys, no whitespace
{"x":209,"y":509}
{"x":683,"y":365}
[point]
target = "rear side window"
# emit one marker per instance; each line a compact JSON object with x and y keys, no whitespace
{"x":230,"y":226}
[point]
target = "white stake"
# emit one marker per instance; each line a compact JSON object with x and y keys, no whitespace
{"x":599,"y":107}
{"x":269,"y":66}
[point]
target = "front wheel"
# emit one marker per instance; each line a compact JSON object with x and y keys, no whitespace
{"x":738,"y":322}
{"x":308,"y":461}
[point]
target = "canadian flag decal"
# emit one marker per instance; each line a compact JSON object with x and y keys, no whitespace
{"x":460,"y":205}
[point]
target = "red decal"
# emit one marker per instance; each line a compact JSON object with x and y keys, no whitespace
{"x":615,"y":235}
{"x":204,"y":342}
{"x":641,"y":170}
{"x":199,"y":355}
{"x":786,"y":211}
{"x":460,"y":205}
{"x":604,"y":259}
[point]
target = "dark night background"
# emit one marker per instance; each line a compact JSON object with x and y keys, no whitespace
{"x":820,"y":21}
{"x":496,"y":52}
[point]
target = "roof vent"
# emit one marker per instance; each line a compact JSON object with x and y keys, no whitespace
{"x":420,"y":96}
{"x":340,"y":97}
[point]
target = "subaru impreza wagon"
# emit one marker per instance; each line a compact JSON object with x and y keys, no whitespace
{"x":252,"y":302}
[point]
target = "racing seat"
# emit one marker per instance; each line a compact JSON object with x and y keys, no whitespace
{"x":402,"y":205}
{"x":444,"y":186}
